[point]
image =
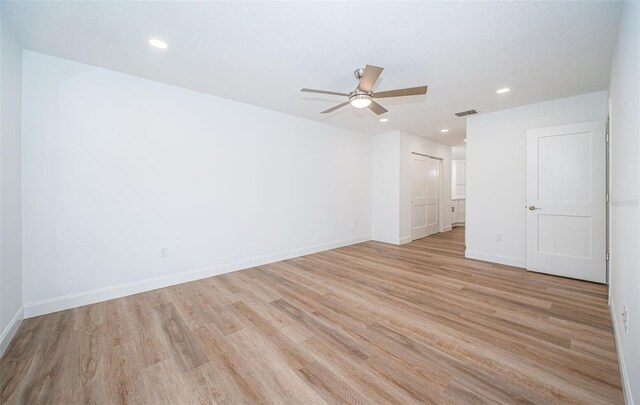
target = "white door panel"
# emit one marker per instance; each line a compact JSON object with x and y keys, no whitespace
{"x":425,"y":186}
{"x":563,"y":161}
{"x":433,"y":195}
{"x":566,"y":200}
{"x":419,"y":167}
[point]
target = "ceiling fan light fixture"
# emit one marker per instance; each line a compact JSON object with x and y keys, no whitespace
{"x":360,"y":100}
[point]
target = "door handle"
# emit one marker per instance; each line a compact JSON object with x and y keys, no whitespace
{"x":533,"y":208}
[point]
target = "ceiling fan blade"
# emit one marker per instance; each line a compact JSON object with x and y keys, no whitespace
{"x":369,"y":77}
{"x":335,"y":93}
{"x":335,"y":108}
{"x":377,"y":108}
{"x":411,"y":91}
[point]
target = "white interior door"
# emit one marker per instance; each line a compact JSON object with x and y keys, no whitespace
{"x":566,"y":234}
{"x":419,"y":168}
{"x":433,"y":195}
{"x":425,"y":185}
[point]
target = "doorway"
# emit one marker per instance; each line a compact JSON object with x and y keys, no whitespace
{"x":425,"y":195}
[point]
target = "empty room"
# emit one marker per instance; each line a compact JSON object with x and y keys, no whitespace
{"x":320,"y":202}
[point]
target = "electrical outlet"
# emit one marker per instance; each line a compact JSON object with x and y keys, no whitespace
{"x":625,"y":318}
{"x":499,"y":237}
{"x":164,"y":252}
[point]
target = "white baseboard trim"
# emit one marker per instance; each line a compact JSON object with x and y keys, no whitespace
{"x":386,"y":239}
{"x":399,"y":241}
{"x":406,"y":239}
{"x":391,"y":240}
{"x":446,"y":229}
{"x":626,"y":385}
{"x":10,"y":330}
{"x":509,"y":261}
{"x":56,"y":304}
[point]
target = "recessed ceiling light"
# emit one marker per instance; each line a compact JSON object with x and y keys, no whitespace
{"x":158,"y":43}
{"x":503,"y":90}
{"x":384,"y":119}
{"x":444,"y":130}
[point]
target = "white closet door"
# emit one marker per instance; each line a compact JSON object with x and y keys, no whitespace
{"x":419,"y":168}
{"x":425,"y":195}
{"x":433,"y":195}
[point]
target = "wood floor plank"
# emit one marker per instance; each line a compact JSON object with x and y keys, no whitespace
{"x":329,"y":386}
{"x":228,"y":377}
{"x":370,"y":323}
{"x":283,"y":385}
{"x":185,"y":349}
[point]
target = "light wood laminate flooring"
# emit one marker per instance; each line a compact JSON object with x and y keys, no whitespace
{"x":367,"y":323}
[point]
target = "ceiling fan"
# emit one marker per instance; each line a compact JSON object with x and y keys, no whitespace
{"x":363,"y":95}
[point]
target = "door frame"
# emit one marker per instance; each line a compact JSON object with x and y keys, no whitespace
{"x":608,"y":202}
{"x":440,"y":185}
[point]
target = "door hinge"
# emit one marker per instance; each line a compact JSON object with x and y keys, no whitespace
{"x":606,"y":197}
{"x":608,"y":257}
{"x":606,"y":137}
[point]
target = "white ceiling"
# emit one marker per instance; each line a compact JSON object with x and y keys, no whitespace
{"x":262,"y":53}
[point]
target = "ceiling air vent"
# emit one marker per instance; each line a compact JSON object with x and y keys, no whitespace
{"x":468,"y":112}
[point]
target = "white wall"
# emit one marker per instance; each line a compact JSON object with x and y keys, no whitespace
{"x":496,"y":172}
{"x":386,"y":188}
{"x":412,"y":143}
{"x":624,"y":91}
{"x":459,"y":152}
{"x":116,"y":167}
{"x":10,"y":193}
